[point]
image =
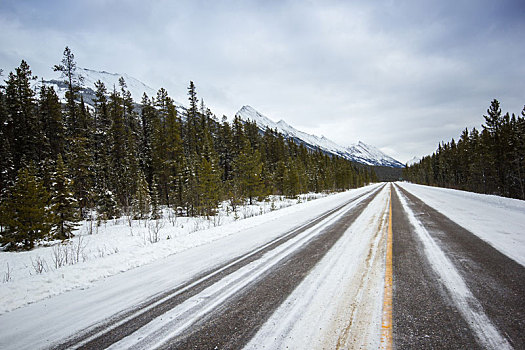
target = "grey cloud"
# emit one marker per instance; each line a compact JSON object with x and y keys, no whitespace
{"x":401,"y":75}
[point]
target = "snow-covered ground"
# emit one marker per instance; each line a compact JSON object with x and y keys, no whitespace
{"x":338,"y":305}
{"x":497,"y":220}
{"x":175,"y":261}
{"x":119,"y":245}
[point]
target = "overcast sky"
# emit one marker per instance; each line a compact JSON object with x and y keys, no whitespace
{"x":400,"y":75}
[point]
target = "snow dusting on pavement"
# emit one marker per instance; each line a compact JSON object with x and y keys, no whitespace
{"x":497,"y":220}
{"x":466,"y":303}
{"x":339,"y":304}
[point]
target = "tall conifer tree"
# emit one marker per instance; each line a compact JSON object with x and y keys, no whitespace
{"x":64,"y":206}
{"x":28,"y":218}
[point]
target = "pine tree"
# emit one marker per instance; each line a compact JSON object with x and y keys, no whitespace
{"x":107,"y":206}
{"x":117,"y":151}
{"x":53,"y":126}
{"x":74,"y":82}
{"x":146,"y":143}
{"x":208,"y":187}
{"x":100,"y":142}
{"x":155,"y":204}
{"x":209,"y":175}
{"x":22,"y":128}
{"x":248,"y":169}
{"x":192,"y":116}
{"x":131,"y":141}
{"x":7,"y":169}
{"x":81,"y":165}
{"x":141,"y":199}
{"x":168,"y":151}
{"x":225,"y":150}
{"x":63,"y":203}
{"x":25,"y":214}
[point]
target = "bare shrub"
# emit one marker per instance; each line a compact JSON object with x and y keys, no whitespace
{"x":217,"y":219}
{"x":91,"y":222}
{"x":77,"y":250}
{"x":59,"y":256}
{"x":69,"y":253}
{"x":8,"y":275}
{"x":39,"y":265}
{"x":154,"y":227}
{"x":172,"y":216}
{"x":101,"y":251}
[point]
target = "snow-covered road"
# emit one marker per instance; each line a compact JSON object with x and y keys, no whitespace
{"x":311,"y":276}
{"x":52,"y":320}
{"x":455,"y":285}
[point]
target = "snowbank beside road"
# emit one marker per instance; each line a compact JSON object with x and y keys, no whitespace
{"x":118,"y":247}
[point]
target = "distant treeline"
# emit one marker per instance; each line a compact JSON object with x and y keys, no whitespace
{"x":60,"y":162}
{"x":387,"y":173}
{"x":491,"y":161}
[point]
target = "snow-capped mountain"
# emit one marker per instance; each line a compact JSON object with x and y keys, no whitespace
{"x":359,"y":152}
{"x":413,"y":161}
{"x":135,"y":86}
{"x":110,"y":80}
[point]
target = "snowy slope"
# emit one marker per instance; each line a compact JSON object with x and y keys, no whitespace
{"x":135,"y":86}
{"x":413,"y":161}
{"x":110,"y":80}
{"x":359,"y":152}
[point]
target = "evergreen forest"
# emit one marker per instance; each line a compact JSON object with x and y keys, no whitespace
{"x":62,"y":161}
{"x":490,"y":161}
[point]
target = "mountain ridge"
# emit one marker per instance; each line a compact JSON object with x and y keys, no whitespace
{"x":359,"y":152}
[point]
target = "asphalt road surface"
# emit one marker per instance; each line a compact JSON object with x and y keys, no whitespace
{"x":227,"y":316}
{"x":428,"y":313}
{"x":436,"y":286}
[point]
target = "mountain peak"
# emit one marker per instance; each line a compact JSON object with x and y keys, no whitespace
{"x":110,"y":80}
{"x":135,"y":86}
{"x":249,"y":113}
{"x":413,"y":160}
{"x":360,"y":152}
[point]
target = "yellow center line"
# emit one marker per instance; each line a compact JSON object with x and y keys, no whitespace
{"x":386,"y":331}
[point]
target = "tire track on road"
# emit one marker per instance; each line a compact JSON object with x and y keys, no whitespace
{"x":423,"y":315}
{"x":495,"y":281}
{"x":124,"y":324}
{"x":233,"y":324}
